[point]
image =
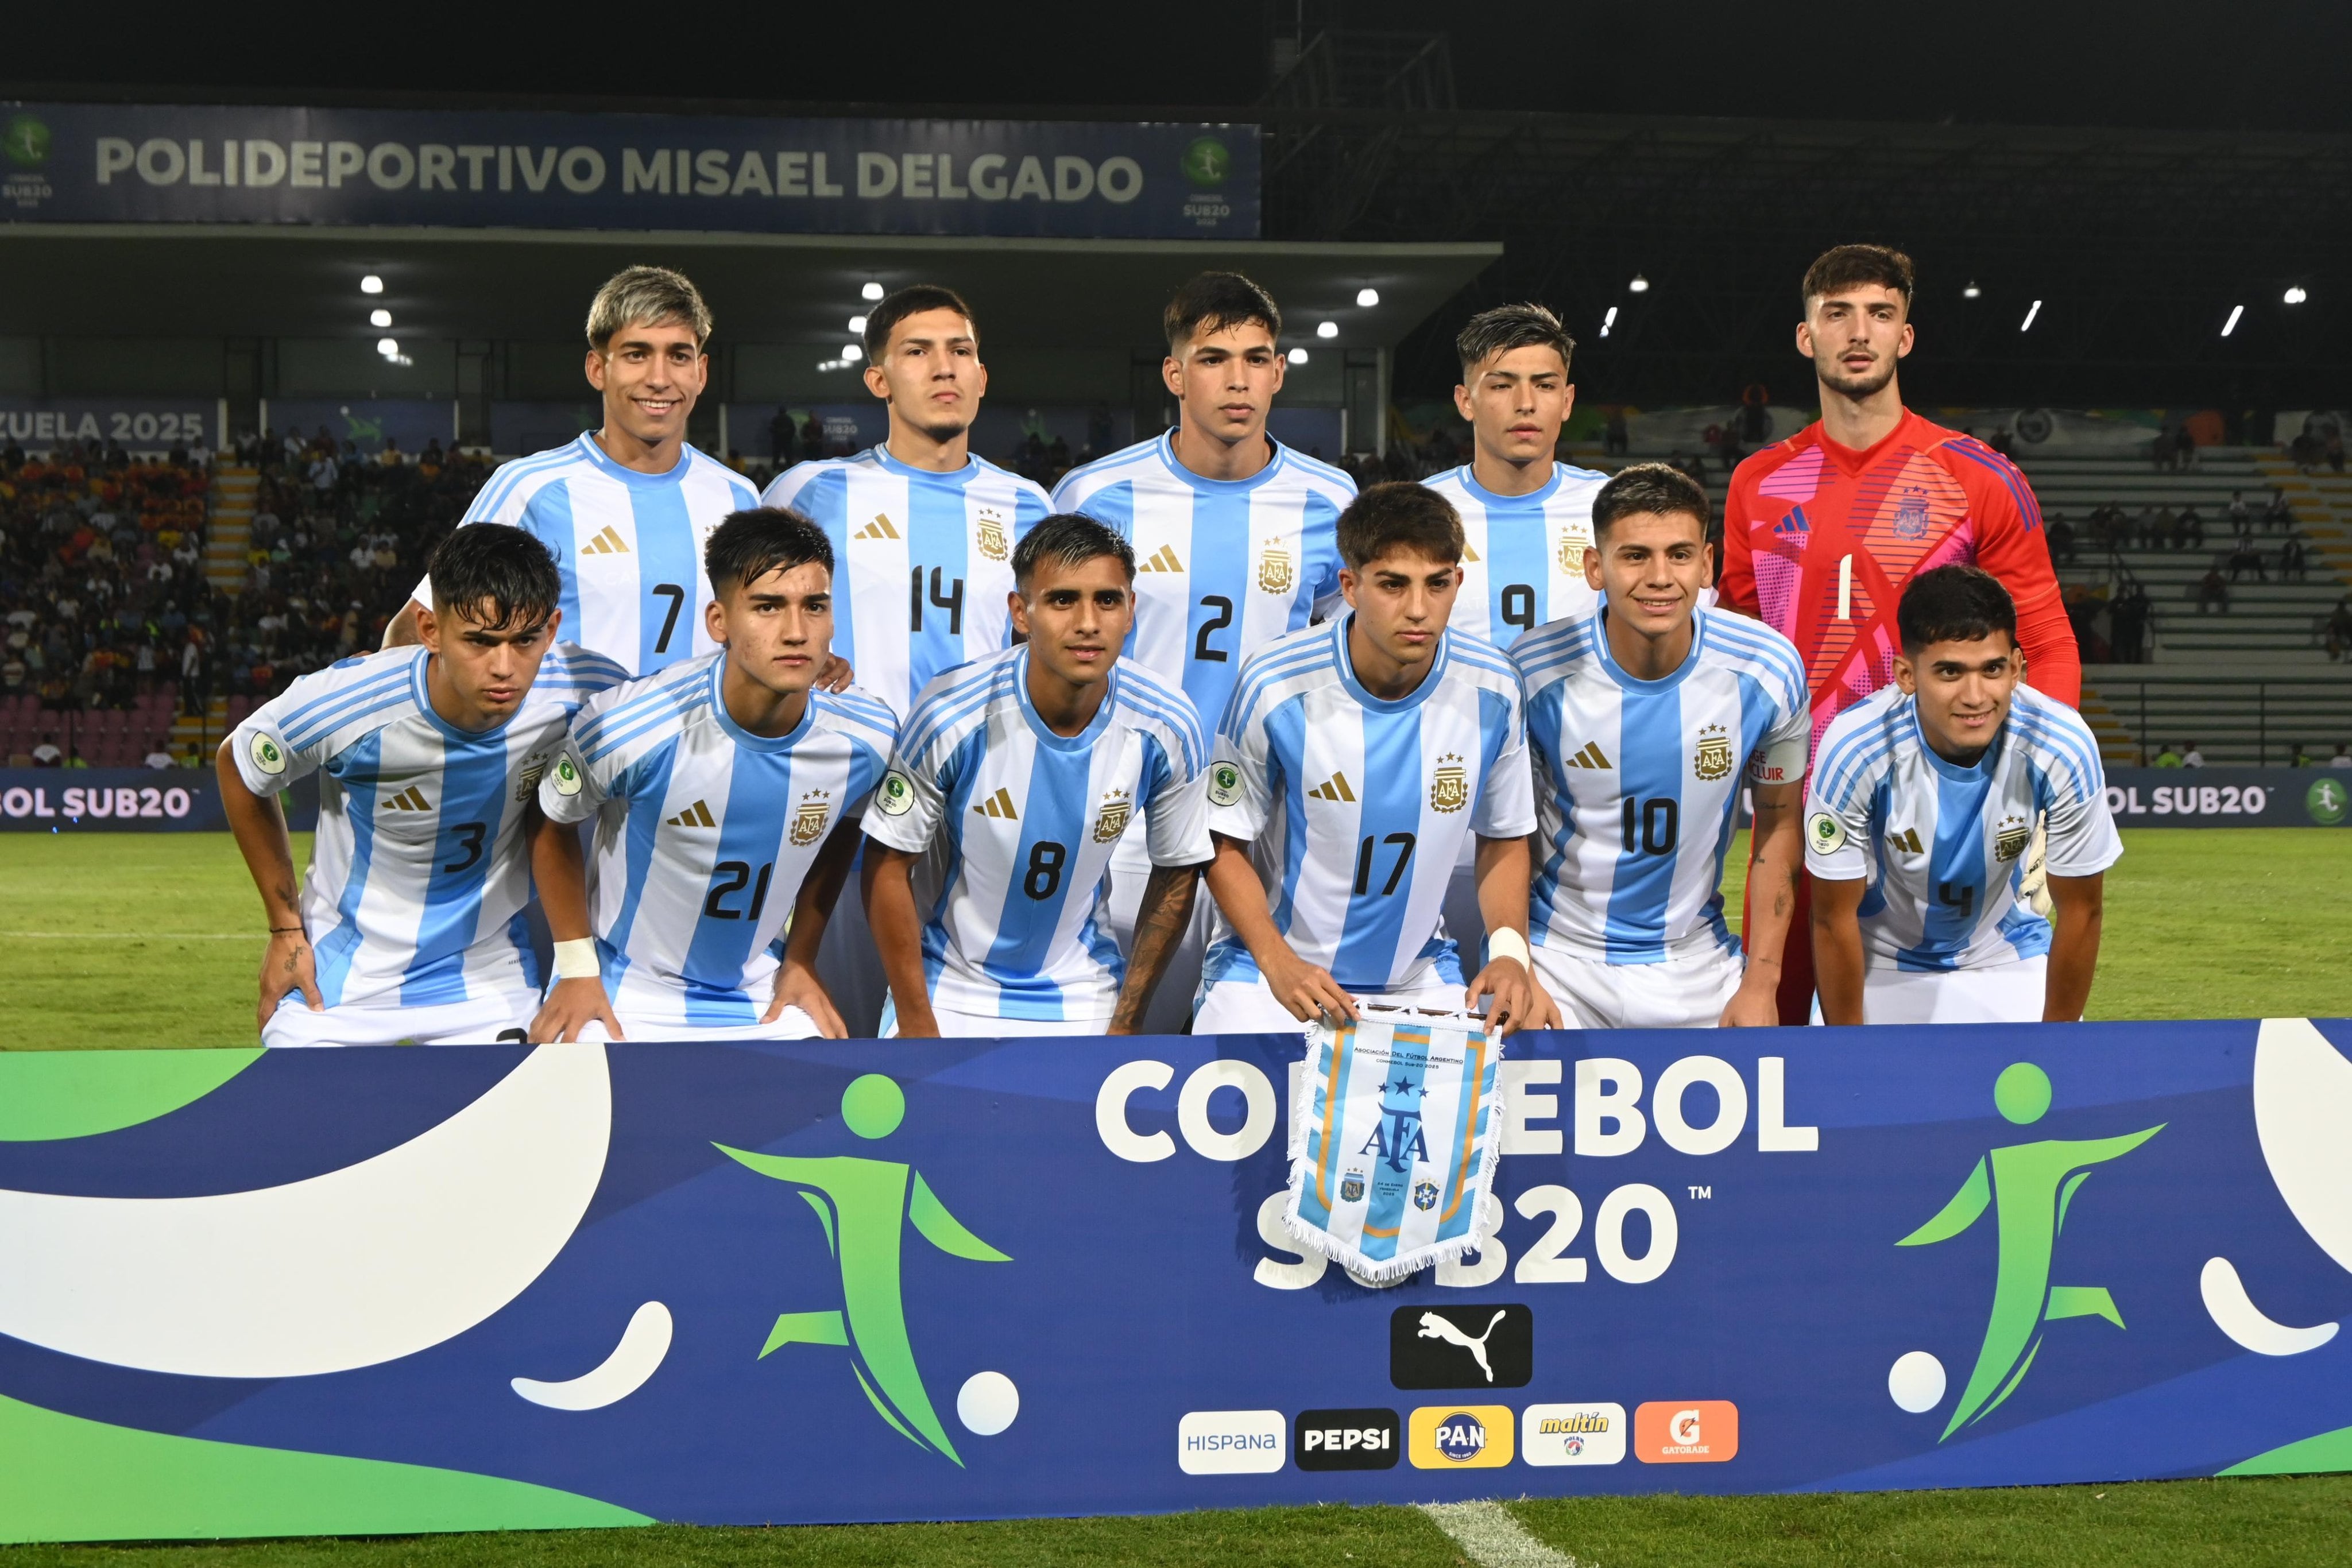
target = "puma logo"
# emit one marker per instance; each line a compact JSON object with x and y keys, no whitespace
{"x":1435,"y":1327}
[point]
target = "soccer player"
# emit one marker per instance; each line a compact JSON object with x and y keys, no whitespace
{"x":625,"y":507}
{"x":922,"y":529}
{"x":1646,"y":717}
{"x":726,"y":792}
{"x":1823,"y":530}
{"x":1922,"y":802}
{"x":1526,"y":519}
{"x":1234,"y":534}
{"x":430,"y":759}
{"x":1017,"y":774}
{"x":1353,"y":761}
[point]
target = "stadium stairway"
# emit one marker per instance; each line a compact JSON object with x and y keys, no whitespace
{"x":229,"y":527}
{"x":2323,"y":505}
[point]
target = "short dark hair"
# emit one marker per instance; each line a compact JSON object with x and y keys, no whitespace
{"x":1953,"y":604}
{"x":1846,"y":267}
{"x":911,"y":300}
{"x":1214,"y":301}
{"x":1659,"y":488}
{"x":1509,"y":326}
{"x":498,"y":564}
{"x":1400,"y":513}
{"x":1069,"y":539}
{"x":747,"y":545}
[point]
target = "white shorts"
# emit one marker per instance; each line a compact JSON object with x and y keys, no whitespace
{"x":954,"y":1025}
{"x":486,"y":1020}
{"x":791,"y":1024}
{"x":1169,"y":1010}
{"x":1688,"y":990}
{"x":1245,"y":1004}
{"x":1997,"y":993}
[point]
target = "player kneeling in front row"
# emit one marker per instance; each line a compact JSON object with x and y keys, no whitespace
{"x":1923,"y":801}
{"x":1355,"y":761}
{"x":429,"y":759}
{"x":1646,"y":716}
{"x":1016,"y":778}
{"x":726,"y":791}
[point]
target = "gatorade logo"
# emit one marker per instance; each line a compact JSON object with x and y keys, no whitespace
{"x":1686,"y":1431}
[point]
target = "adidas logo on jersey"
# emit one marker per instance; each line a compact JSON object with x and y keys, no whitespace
{"x":1794,"y":523}
{"x":694,"y":816}
{"x":409,"y":800}
{"x":1162,"y":559}
{"x":1332,"y":788}
{"x":1469,"y":552}
{"x":1591,"y":757}
{"x":999,"y":805}
{"x":1908,"y":841}
{"x":608,"y":541}
{"x":879,"y":529}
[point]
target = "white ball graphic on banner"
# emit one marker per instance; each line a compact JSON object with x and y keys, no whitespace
{"x":988,"y":1402}
{"x":1916,"y":1381}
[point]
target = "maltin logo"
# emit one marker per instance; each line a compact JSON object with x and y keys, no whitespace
{"x":1462,"y":1437}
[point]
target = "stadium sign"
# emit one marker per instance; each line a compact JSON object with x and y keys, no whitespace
{"x":128,"y":800}
{"x":2227,"y":797}
{"x":141,"y":425}
{"x":190,"y":163}
{"x":382,"y":1290}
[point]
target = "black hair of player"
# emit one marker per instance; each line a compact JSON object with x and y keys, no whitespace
{"x":1508,"y":327}
{"x":1068,"y":540}
{"x":1953,"y":604}
{"x":911,"y":300}
{"x":497,"y":565}
{"x":1214,"y":301}
{"x":1399,"y":515}
{"x":1658,"y":488}
{"x":1846,"y":267}
{"x":747,"y":545}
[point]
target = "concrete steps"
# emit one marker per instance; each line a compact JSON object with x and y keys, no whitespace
{"x":229,"y":528}
{"x":2234,"y":717}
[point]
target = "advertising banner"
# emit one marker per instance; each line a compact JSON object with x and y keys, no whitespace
{"x":2230,"y":797}
{"x":142,"y":426}
{"x":128,"y":800}
{"x":389,"y":1290}
{"x":367,"y":423}
{"x":66,"y":163}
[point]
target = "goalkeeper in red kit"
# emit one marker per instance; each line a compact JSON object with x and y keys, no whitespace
{"x":1822,"y":531}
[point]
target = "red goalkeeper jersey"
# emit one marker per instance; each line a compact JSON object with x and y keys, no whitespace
{"x":1819,"y":539}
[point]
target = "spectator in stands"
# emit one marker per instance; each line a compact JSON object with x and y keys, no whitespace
{"x":46,"y":755}
{"x":193,"y":757}
{"x":2303,"y":757}
{"x":2192,"y":757}
{"x":2338,"y":629}
{"x":2149,"y":532}
{"x":2293,"y":563}
{"x":2343,"y":757}
{"x":2184,"y":448}
{"x":390,"y":456}
{"x":2278,"y":513}
{"x":2190,"y":533}
{"x":2333,"y":450}
{"x":158,"y":754}
{"x":324,"y":474}
{"x":2211,"y":593}
{"x":2128,"y":617}
{"x":2169,"y":756}
{"x":2244,"y":558}
{"x":2062,"y":541}
{"x":2241,"y":514}
{"x":74,"y":757}
{"x":1615,"y":440}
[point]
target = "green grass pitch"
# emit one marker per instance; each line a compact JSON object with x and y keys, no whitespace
{"x":151,"y":940}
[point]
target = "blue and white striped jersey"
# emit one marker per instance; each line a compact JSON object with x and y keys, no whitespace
{"x":922,"y":562}
{"x":705,"y":832}
{"x":1522,"y":556}
{"x":1222,"y":567}
{"x":1636,"y":780}
{"x":1944,"y":846}
{"x":420,"y":870}
{"x":1356,"y":810}
{"x":629,"y":545}
{"x":1021,"y":823}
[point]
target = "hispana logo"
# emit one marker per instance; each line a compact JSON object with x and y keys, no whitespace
{"x":1462,"y":1437}
{"x":1229,"y":1442}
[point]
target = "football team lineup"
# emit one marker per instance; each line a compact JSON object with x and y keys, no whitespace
{"x":1474,"y":744}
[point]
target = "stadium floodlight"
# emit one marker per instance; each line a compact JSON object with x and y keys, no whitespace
{"x":2296,"y":295}
{"x":870,"y":293}
{"x":1609,"y":320}
{"x":2231,"y":324}
{"x":833,"y":364}
{"x":388,"y":347}
{"x":1327,"y":329}
{"x":371,"y":284}
{"x":1971,"y":291}
{"x":857,"y":323}
{"x":851,"y":353}
{"x":1368,"y":297}
{"x":2027,"y":325}
{"x":1640,"y":285}
{"x":379,"y":318}
{"x":1297,"y":356}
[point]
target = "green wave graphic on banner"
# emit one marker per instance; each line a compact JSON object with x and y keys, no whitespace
{"x":2328,"y":1451}
{"x":63,"y":1477}
{"x":80,"y":1094}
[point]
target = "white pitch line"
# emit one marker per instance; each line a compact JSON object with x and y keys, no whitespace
{"x":134,"y":936}
{"x":1493,"y":1538}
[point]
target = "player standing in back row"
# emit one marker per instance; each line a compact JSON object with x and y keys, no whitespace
{"x":1822,"y":531}
{"x":627,"y":507}
{"x":1235,"y":535}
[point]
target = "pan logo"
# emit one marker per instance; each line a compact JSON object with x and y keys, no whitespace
{"x":1462,"y":1437}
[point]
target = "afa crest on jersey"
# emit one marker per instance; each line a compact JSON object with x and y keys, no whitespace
{"x":1713,"y":759}
{"x":808,"y":822}
{"x":1571,"y":554}
{"x":2010,"y":841}
{"x":1276,"y":571}
{"x":1111,"y":820}
{"x":995,"y":542}
{"x":1449,"y":791}
{"x":1911,"y":514}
